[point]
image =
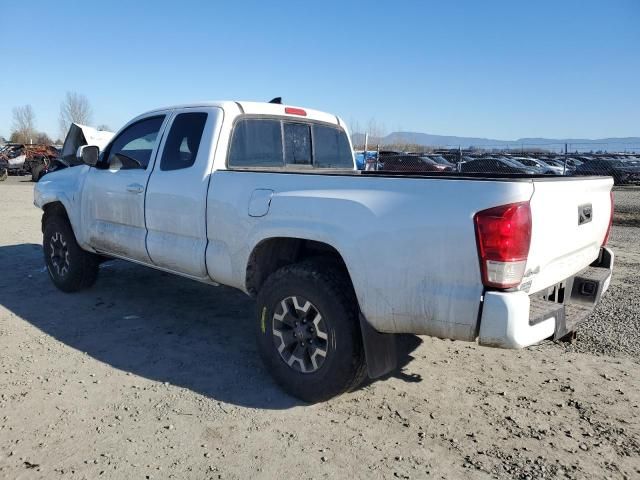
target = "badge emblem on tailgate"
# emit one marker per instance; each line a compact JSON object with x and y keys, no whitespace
{"x":584,"y":214}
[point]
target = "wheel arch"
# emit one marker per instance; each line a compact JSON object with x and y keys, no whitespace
{"x":54,"y":209}
{"x":273,"y":253}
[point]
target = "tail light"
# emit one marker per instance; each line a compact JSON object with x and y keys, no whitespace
{"x":295,"y":111}
{"x":503,"y":235}
{"x":606,"y":235}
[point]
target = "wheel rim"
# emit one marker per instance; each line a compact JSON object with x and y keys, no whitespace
{"x":300,"y":334}
{"x":59,"y":254}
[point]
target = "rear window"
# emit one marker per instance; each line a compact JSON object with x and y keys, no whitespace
{"x":331,"y":148}
{"x":276,"y":143}
{"x":297,"y":144}
{"x":256,"y":143}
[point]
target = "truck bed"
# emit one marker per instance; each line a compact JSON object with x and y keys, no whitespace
{"x":433,"y":175}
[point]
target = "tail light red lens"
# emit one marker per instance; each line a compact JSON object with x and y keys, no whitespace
{"x":606,"y":235}
{"x":503,"y":235}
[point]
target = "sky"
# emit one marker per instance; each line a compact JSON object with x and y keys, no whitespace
{"x":496,"y":69}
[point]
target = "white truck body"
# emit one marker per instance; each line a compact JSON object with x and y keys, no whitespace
{"x":408,"y":242}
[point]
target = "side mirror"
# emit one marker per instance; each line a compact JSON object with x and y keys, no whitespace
{"x":88,"y":154}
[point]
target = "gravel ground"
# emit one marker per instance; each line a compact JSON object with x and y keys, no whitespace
{"x":148,"y":375}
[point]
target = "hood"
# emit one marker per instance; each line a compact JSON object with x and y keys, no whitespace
{"x":80,"y":135}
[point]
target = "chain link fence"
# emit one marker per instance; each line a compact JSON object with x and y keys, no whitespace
{"x":549,"y":159}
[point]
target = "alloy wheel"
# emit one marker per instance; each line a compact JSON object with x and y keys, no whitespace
{"x":300,"y":334}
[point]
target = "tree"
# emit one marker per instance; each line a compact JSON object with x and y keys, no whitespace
{"x":43,"y":139}
{"x":354,"y":130}
{"x":375,"y":131}
{"x":74,"y":108}
{"x":23,"y":129}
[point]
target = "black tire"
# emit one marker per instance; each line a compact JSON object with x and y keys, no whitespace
{"x":70,"y":268}
{"x":331,"y":296}
{"x":36,"y":172}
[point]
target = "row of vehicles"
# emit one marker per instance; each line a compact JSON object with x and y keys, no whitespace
{"x":623,"y":168}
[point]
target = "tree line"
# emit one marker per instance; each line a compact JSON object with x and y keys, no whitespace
{"x":75,"y":108}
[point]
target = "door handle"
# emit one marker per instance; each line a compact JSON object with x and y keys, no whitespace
{"x":135,"y":188}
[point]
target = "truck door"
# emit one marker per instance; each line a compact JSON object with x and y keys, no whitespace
{"x":177,"y":193}
{"x":114,"y":195}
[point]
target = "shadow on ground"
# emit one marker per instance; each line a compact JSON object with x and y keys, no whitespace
{"x":155,"y":325}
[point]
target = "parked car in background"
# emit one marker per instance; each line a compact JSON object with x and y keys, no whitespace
{"x":573,"y":162}
{"x":555,"y":165}
{"x":26,"y":159}
{"x":439,"y":159}
{"x":411,"y":163}
{"x":537,"y":165}
{"x":495,"y":165}
{"x":621,"y":171}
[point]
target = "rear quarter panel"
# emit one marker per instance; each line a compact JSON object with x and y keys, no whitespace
{"x":408,"y":243}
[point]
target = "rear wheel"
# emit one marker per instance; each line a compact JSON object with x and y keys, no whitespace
{"x":70,"y":268}
{"x":308,"y":332}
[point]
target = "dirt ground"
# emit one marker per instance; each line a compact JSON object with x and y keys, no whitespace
{"x":148,"y":375}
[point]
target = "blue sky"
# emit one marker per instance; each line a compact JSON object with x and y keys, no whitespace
{"x":499,"y":69}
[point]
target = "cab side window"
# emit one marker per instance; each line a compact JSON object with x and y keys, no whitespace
{"x":183,"y":142}
{"x":133,"y":147}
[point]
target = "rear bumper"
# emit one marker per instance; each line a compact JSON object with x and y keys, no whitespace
{"x":516,"y":319}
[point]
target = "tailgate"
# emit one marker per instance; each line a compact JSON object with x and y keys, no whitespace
{"x":570,"y":218}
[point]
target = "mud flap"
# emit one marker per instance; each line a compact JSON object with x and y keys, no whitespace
{"x":379,"y":349}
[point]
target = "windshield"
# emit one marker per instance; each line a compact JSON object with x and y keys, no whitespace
{"x":439,"y":159}
{"x":553,"y":163}
{"x":526,"y":161}
{"x":428,"y":160}
{"x":616,"y":163}
{"x":512,"y":162}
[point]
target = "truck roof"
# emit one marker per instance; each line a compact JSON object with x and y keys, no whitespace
{"x":261,"y":108}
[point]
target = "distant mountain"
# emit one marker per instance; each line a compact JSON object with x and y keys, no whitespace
{"x":556,"y":144}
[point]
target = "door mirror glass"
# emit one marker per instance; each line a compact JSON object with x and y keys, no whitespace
{"x":89,"y":154}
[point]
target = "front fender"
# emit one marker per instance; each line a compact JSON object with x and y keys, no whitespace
{"x":64,"y":186}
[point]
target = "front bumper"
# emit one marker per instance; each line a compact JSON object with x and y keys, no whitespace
{"x":517,"y":319}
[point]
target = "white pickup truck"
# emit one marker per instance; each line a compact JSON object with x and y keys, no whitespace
{"x":265,"y":198}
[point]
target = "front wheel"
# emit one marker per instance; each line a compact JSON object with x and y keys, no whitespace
{"x":308,"y":332}
{"x":70,"y":268}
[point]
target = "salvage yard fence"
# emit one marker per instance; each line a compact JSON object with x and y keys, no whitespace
{"x":619,"y":160}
